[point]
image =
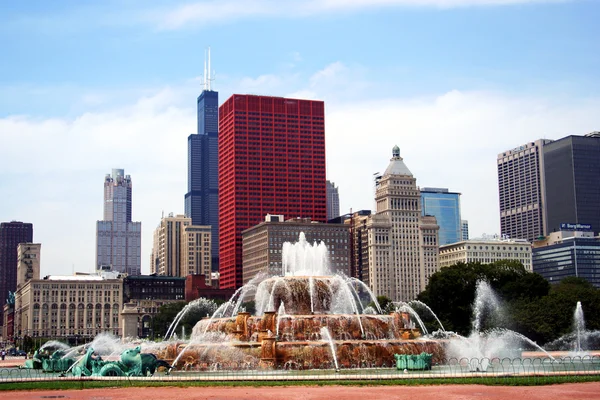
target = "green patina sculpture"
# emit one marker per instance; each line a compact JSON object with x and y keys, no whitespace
{"x":413,"y":361}
{"x":57,"y":362}
{"x":133,"y":363}
{"x":49,"y":361}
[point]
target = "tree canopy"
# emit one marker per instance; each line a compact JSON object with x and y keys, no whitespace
{"x":532,"y":306}
{"x":451,"y":291}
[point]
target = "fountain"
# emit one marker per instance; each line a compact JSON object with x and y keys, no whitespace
{"x":306,"y":318}
{"x":310,"y":318}
{"x":579,"y":324}
{"x":482,"y":345}
{"x":579,"y":341}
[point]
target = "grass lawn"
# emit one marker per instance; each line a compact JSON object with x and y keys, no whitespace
{"x":497,"y":381}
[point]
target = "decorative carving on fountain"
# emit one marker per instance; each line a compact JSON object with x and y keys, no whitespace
{"x":241,"y":322}
{"x":268,"y":321}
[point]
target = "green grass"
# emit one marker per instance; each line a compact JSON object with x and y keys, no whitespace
{"x":492,"y":381}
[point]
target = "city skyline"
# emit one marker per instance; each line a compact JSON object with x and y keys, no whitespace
{"x":452,"y":83}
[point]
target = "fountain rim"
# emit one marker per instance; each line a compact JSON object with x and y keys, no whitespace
{"x":234,"y":317}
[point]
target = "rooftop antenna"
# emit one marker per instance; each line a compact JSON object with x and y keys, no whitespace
{"x":209,"y":79}
{"x":205,"y":80}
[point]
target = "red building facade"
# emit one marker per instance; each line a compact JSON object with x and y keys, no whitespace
{"x":271,"y":161}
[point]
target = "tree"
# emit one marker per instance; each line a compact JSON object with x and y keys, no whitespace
{"x":450,"y":292}
{"x":385,"y":303}
{"x":551,"y":316}
{"x":166,"y":314}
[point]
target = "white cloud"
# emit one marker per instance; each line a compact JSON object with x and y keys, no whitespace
{"x":202,"y":13}
{"x":51,"y":170}
{"x":451,"y":140}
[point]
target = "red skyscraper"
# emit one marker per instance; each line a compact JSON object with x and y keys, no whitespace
{"x":271,"y":161}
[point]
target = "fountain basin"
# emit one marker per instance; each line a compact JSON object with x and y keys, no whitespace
{"x":312,"y":354}
{"x":243,"y":327}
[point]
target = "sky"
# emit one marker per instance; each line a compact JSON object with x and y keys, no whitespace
{"x":90,"y":86}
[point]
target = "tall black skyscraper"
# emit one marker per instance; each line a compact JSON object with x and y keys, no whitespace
{"x":545,"y":184}
{"x":11,"y":234}
{"x":572,"y":176}
{"x":202,"y":197}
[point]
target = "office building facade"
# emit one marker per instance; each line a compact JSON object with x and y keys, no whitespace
{"x":262,"y":244}
{"x":572,"y":182}
{"x":565,"y":254}
{"x":521,"y":191}
{"x":445,"y":207}
{"x":202,"y":197}
{"x":271,"y":161}
{"x":464,"y":230}
{"x":403,"y":245}
{"x":486,"y":251}
{"x":118,"y":238}
{"x":545,"y":184}
{"x":63,"y":306}
{"x":143,"y":296}
{"x":359,"y":244}
{"x":11,"y":234}
{"x":181,"y":249}
{"x":333,"y":201}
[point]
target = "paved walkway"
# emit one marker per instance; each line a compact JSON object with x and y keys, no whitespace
{"x":574,"y":391}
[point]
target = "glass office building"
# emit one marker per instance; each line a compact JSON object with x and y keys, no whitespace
{"x":575,"y":256}
{"x":572,"y":178}
{"x":445,"y":207}
{"x":202,"y":198}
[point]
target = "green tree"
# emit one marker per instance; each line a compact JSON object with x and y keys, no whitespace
{"x":166,"y":314}
{"x":451,"y":291}
{"x":385,"y":303}
{"x":550,"y":317}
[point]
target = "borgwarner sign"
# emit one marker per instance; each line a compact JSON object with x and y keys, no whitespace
{"x":575,"y":227}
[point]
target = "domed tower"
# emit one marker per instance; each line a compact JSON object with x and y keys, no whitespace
{"x":403,"y":243}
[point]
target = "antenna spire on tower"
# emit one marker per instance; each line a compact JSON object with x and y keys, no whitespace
{"x":207,"y":74}
{"x":204,"y":81}
{"x":208,"y":67}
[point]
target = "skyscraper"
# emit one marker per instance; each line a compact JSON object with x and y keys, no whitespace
{"x":464,"y":229}
{"x":546,"y":183}
{"x":445,"y":207}
{"x":572,"y":182}
{"x":333,"y":201}
{"x":521,"y":190}
{"x":118,"y":239}
{"x":403,"y":244}
{"x":181,"y":249}
{"x":11,"y":234}
{"x":202,"y":197}
{"x":271,"y":161}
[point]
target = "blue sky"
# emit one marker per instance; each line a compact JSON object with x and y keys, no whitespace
{"x":85,"y":87}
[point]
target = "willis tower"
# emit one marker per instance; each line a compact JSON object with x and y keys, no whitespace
{"x":202,"y":197}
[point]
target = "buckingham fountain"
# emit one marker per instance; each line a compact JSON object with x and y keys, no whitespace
{"x":307,"y":318}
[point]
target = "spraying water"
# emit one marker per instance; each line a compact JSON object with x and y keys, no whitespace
{"x":403,"y":306}
{"x":420,"y":303}
{"x":205,"y":306}
{"x":485,"y":301}
{"x":280,"y":313}
{"x":579,"y":324}
{"x":325,"y":335}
